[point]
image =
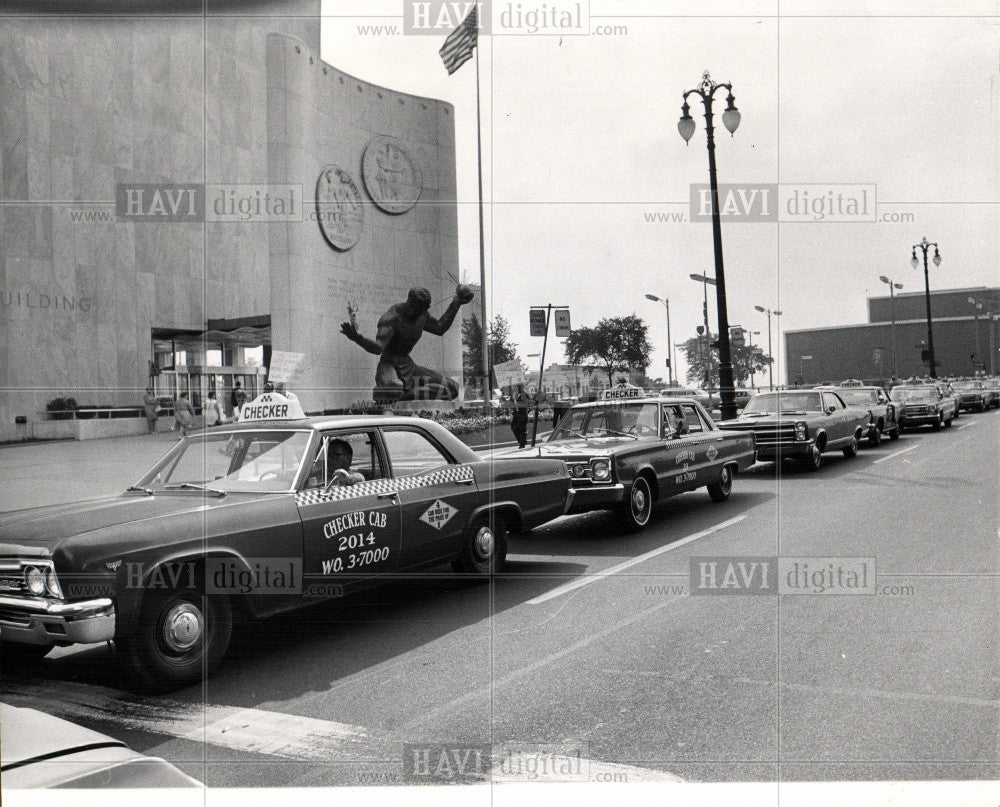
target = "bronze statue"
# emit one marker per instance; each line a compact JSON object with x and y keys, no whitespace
{"x":398,"y":377}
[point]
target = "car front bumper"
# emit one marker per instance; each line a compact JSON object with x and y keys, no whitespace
{"x":596,"y":497}
{"x":31,"y":620}
{"x":919,"y":420}
{"x":774,"y":451}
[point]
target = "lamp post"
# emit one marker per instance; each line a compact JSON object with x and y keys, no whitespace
{"x":991,"y":335}
{"x":705,"y":281}
{"x":750,"y":336}
{"x":770,"y":354}
{"x":915,"y":263}
{"x":892,"y":314}
{"x":975,"y":350}
{"x":686,"y":126}
{"x":670,"y":362}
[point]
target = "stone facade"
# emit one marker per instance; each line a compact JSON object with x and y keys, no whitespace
{"x":238,"y":95}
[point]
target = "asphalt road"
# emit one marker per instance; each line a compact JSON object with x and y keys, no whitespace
{"x":592,"y":643}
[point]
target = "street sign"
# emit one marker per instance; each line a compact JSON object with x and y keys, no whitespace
{"x":737,"y":336}
{"x":562,"y":322}
{"x":285,"y":366}
{"x":536,"y":321}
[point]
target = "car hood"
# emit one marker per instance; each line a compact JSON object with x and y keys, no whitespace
{"x":595,"y":447}
{"x":42,"y":530}
{"x":767,"y":420}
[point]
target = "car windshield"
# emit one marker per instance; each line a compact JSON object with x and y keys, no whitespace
{"x":265,"y":461}
{"x":610,"y":420}
{"x":914,"y":394}
{"x":779,"y":402}
{"x":858,"y":396}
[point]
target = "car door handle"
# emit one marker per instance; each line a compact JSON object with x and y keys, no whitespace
{"x":392,"y":495}
{"x":465,"y":481}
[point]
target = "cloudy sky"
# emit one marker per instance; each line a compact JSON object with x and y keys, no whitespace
{"x":582,"y":152}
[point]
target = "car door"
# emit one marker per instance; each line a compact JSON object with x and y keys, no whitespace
{"x":688,"y":453}
{"x":436,"y":494}
{"x":350,"y":532}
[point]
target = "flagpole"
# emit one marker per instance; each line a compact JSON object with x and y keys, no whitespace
{"x":487,"y":392}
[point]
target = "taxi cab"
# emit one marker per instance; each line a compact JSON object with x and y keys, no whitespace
{"x":256,"y":518}
{"x":628,"y":451}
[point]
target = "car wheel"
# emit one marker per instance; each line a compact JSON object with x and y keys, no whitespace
{"x":719,"y":491}
{"x":939,"y":422}
{"x":179,"y":637}
{"x":875,"y":437}
{"x":637,"y":509}
{"x":484,"y":548}
{"x":815,"y":459}
{"x":852,"y":449}
{"x":18,"y":654}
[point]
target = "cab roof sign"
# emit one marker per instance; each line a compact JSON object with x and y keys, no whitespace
{"x":623,"y":392}
{"x":272,"y":406}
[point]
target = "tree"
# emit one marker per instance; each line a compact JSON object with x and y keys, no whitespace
{"x":615,"y":344}
{"x":500,"y":347}
{"x":698,"y":353}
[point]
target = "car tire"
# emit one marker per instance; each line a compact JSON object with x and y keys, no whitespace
{"x":484,"y":548}
{"x":815,"y":459}
{"x":179,"y":637}
{"x":875,"y":437}
{"x":637,"y":509}
{"x":852,"y":450}
{"x":18,"y":654}
{"x":719,"y":490}
{"x":937,"y":424}
{"x":895,"y":432}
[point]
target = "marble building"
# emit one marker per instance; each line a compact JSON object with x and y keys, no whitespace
{"x":159,"y":95}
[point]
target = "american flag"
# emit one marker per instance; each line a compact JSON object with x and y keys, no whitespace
{"x":457,"y":48}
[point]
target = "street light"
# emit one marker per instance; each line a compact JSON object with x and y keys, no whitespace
{"x":705,"y":281}
{"x":892,"y":313}
{"x":670,"y":363}
{"x":686,"y":126}
{"x":915,"y":262}
{"x":770,"y":353}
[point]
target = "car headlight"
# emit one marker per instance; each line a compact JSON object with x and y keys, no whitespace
{"x":579,"y":470}
{"x":34,"y":580}
{"x":601,"y":469}
{"x":52,"y":583}
{"x":801,"y":431}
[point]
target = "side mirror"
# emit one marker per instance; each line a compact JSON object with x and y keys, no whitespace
{"x":831,"y":409}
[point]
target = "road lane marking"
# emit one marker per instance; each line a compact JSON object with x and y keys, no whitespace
{"x":587,"y":579}
{"x":970,"y":423}
{"x":888,"y":694}
{"x":253,"y":731}
{"x":892,"y":456}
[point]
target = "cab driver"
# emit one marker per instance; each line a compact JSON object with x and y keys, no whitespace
{"x":339,"y":457}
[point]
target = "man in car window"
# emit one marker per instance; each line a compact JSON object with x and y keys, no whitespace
{"x":339,"y":457}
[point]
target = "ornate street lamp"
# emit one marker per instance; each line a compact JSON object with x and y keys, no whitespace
{"x":892,"y":313}
{"x":924,"y":245}
{"x":686,"y":126}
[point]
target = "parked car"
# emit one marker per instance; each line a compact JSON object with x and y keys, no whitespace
{"x":259,"y":517}
{"x":42,"y":751}
{"x":924,"y":404}
{"x":972,"y":395}
{"x":624,"y":455}
{"x":704,"y":399}
{"x":881,"y":410}
{"x":802,"y":425}
{"x":992,"y":386}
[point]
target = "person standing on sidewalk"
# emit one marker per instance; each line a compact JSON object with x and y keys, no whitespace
{"x":237,"y":398}
{"x":149,"y":404}
{"x":519,"y":421}
{"x":183,"y":413}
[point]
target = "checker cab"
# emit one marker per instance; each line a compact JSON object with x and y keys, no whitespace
{"x":258,"y":518}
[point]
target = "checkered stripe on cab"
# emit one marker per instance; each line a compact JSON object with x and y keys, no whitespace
{"x":452,"y":473}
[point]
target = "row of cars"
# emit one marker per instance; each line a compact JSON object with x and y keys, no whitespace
{"x":279,"y":510}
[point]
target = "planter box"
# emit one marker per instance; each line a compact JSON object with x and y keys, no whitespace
{"x":93,"y":428}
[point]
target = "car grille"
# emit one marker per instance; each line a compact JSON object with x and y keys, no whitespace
{"x":14,"y":617}
{"x":766,"y":434}
{"x":11,"y":582}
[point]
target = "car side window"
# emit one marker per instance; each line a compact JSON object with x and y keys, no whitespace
{"x":830,"y":400}
{"x":355,"y":452}
{"x":672,"y":420}
{"x":412,"y":452}
{"x":692,"y":419}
